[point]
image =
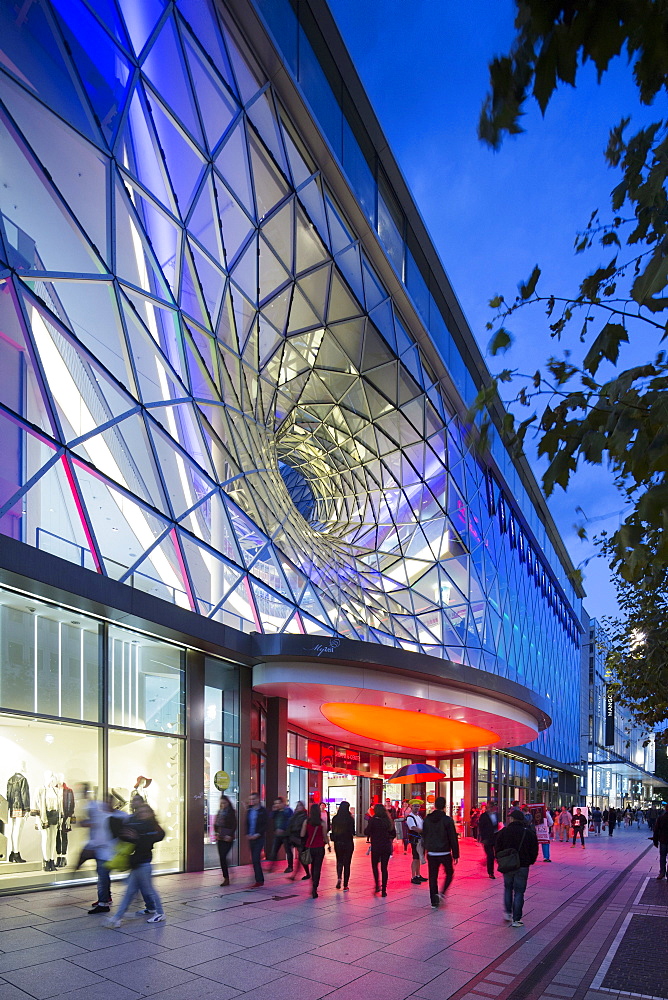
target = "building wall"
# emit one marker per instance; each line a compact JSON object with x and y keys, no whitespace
{"x":218,"y":401}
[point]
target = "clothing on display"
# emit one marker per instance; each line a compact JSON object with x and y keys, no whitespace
{"x":49,"y":806}
{"x":18,"y":807}
{"x":65,"y":824}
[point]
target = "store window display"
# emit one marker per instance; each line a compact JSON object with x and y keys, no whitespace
{"x":146,"y":683}
{"x":45,"y":762}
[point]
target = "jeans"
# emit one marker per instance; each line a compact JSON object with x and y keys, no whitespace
{"x":382,"y":856}
{"x":597,"y":827}
{"x":344,"y":854}
{"x":103,"y":881}
{"x":434,"y":862}
{"x":256,"y":853}
{"x":276,"y":846}
{"x":663,"y":853}
{"x":489,"y":852}
{"x":545,"y":846}
{"x":140,"y":880}
{"x":514,"y":887}
{"x":317,"y":858}
{"x":578,"y":832}
{"x":224,"y":848}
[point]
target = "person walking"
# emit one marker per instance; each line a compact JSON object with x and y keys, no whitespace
{"x":488,"y":824}
{"x":612,"y":821}
{"x":542,"y":827}
{"x":520,"y":837}
{"x":281,"y":814}
{"x":143,"y":830}
{"x":342,"y":834}
{"x":314,"y":834}
{"x":380,"y":831}
{"x":297,"y":842}
{"x":651,"y":816}
{"x":404,"y":813}
{"x":660,"y":840}
{"x":441,"y":845}
{"x":578,"y":826}
{"x":597,"y":818}
{"x":414,"y":825}
{"x":225,"y":828}
{"x":256,"y":829}
{"x":104,"y":824}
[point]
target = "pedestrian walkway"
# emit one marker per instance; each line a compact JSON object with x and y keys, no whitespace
{"x":591,"y":918}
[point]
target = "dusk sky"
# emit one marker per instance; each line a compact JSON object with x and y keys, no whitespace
{"x":493,"y":216}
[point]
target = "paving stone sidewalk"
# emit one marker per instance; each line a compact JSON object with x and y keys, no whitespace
{"x":260,"y":943}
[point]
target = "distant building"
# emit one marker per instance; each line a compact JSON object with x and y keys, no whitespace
{"x":619,"y":768}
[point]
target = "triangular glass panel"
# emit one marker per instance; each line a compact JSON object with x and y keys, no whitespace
{"x":192,"y":297}
{"x":310,"y":250}
{"x":55,"y":504}
{"x":140,"y":20}
{"x":212,"y":578}
{"x":134,"y":258}
{"x":272,"y":273}
{"x":183,"y":481}
{"x":315,"y":287}
{"x":341,"y":235}
{"x":39,"y":63}
{"x":163,"y":233}
{"x":226,"y":329}
{"x":184,"y":163}
{"x":268,"y":341}
{"x":263,"y":116}
{"x":162,"y":573}
{"x":232,"y":162}
{"x":207,"y":350}
{"x":302,"y":315}
{"x":244,"y":273}
{"x":272,"y":610}
{"x":216,"y":104}
{"x":42,"y":234}
{"x":247,"y":82}
{"x":92,"y":48}
{"x":342,"y":305}
{"x":244,"y":315}
{"x":203,"y":223}
{"x":383,"y":319}
{"x":165,"y":67}
{"x":278,"y":231}
{"x":239,"y":609}
{"x":376,"y":351}
{"x":201,"y":16}
{"x":212,"y":280}
{"x":235,"y":223}
{"x":138,"y":150}
{"x":22,"y":388}
{"x":311,"y":198}
{"x":270,"y":188}
{"x":349,"y":263}
{"x":80,"y":176}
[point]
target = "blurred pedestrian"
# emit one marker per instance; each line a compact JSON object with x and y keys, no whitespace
{"x":314,"y":834}
{"x":225,"y":828}
{"x":564,"y":824}
{"x":297,"y":841}
{"x":542,"y":827}
{"x":488,"y":824}
{"x":256,"y":829}
{"x":144,"y":832}
{"x":281,"y":815}
{"x":612,"y":821}
{"x":660,"y":840}
{"x":578,"y":826}
{"x":519,"y":837}
{"x":441,"y":846}
{"x":104,"y":825}
{"x":342,"y":834}
{"x":597,"y":818}
{"x":380,"y":831}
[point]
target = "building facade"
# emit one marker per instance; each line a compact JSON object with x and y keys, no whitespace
{"x":246,"y":539}
{"x":619,"y":755}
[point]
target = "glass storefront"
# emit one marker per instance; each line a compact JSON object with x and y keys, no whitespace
{"x":88,"y":708}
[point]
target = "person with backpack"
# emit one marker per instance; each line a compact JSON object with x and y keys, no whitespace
{"x":143,"y":832}
{"x":441,"y":845}
{"x":414,"y":825}
{"x":516,"y":849}
{"x":342,"y":834}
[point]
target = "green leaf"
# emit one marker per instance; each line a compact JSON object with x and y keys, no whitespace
{"x":527,"y":288}
{"x":496,"y":302}
{"x":606,"y":346}
{"x":500,"y":342}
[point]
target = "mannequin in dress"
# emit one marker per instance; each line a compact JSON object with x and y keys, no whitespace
{"x":49,"y":809}
{"x":18,"y":807}
{"x":66,"y":796}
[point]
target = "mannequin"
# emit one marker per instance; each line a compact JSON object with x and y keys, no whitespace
{"x":18,"y":807}
{"x":66,"y":796}
{"x":139,"y":790}
{"x":49,"y":806}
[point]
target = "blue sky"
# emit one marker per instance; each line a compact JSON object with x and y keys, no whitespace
{"x":493,"y":216}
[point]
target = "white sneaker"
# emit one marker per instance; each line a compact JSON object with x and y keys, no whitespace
{"x":145,"y":913}
{"x":112,"y":922}
{"x":517,"y":923}
{"x":507,"y":916}
{"x":157,"y":918}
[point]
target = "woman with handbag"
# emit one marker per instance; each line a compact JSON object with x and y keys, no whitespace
{"x":297,"y":841}
{"x":225,"y":827}
{"x":143,"y":832}
{"x":314,"y":832}
{"x":343,"y":832}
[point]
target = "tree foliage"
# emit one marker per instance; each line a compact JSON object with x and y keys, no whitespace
{"x":583,"y":412}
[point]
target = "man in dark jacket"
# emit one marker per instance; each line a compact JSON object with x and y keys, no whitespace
{"x":660,"y":839}
{"x":256,"y":828}
{"x":441,"y":845}
{"x":282,"y":815}
{"x":522,"y":838}
{"x":488,"y":824}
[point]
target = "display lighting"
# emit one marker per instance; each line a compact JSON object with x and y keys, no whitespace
{"x":417,"y":730}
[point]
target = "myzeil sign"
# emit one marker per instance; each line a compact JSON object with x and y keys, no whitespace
{"x":609,"y":717}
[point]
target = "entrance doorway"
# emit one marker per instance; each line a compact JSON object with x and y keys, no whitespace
{"x":339,"y":787}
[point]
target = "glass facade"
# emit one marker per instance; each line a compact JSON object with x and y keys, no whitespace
{"x":62,"y":743}
{"x":207,"y":391}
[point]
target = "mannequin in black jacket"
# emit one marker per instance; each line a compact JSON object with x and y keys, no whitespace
{"x":441,"y":845}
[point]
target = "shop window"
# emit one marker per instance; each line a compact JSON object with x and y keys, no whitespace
{"x":48,"y":659}
{"x":151,"y":767}
{"x":221,"y":701}
{"x":47,"y":769}
{"x":146,"y":682}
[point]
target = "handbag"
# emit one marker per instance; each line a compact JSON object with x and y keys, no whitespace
{"x":305,"y":855}
{"x":508,"y":860}
{"x":120,"y":862}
